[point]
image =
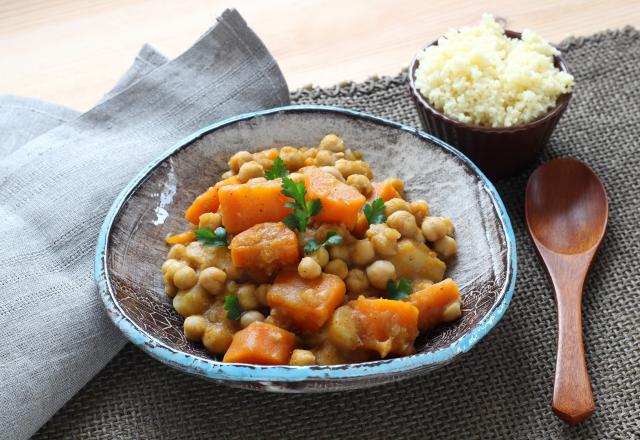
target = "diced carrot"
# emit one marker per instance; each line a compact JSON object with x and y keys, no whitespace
{"x":386,"y":326}
{"x":265,"y":245}
{"x":208,"y":201}
{"x":432,"y":302}
{"x":383,"y":190}
{"x":261,"y":343}
{"x":340,"y":202}
{"x":308,"y":303}
{"x":248,"y":204}
{"x":182,"y":238}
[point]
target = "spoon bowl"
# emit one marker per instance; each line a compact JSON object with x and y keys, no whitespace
{"x":566,"y":209}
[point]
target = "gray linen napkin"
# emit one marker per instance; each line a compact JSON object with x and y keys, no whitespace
{"x":56,"y":189}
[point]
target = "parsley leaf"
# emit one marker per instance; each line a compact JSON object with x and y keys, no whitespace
{"x":303,"y":209}
{"x":332,"y":239}
{"x":232,"y":307}
{"x":277,"y":170}
{"x":375,"y":212}
{"x":398,"y":291}
{"x":208,"y":238}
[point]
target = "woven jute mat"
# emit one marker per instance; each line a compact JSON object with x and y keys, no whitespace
{"x":502,"y":388}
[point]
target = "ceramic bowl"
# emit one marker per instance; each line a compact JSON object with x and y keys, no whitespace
{"x":131,"y":246}
{"x":498,"y":152}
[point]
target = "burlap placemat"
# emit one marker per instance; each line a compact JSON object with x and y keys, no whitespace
{"x":502,"y":388}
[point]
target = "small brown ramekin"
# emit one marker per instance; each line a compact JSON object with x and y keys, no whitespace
{"x":498,"y":152}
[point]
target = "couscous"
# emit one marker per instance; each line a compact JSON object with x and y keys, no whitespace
{"x":479,"y":76}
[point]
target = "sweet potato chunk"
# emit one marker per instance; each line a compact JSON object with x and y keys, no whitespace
{"x":437,"y":303}
{"x":208,"y":201}
{"x":384,"y":190}
{"x":378,"y":325}
{"x":308,"y":303}
{"x":340,"y":202}
{"x":386,"y":326}
{"x":251,"y":203}
{"x":415,"y":260}
{"x":266,"y":246}
{"x":262,"y":344}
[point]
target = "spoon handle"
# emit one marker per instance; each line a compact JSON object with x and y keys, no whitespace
{"x":572,"y":395}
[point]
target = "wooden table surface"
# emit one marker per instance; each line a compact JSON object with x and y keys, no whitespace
{"x":72,"y":51}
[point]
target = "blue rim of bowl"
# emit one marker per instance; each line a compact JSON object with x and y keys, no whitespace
{"x":236,"y":372}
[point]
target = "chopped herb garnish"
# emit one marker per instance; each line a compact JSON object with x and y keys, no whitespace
{"x":208,"y":238}
{"x":232,"y":307}
{"x":277,"y":170}
{"x":332,"y":239}
{"x":398,"y":291}
{"x":375,"y":212}
{"x":303,"y":209}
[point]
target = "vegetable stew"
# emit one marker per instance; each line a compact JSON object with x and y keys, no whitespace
{"x":298,"y":256}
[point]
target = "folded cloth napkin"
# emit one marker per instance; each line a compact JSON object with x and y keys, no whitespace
{"x":59,"y":173}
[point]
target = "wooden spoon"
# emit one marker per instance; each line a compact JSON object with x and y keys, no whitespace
{"x":566,"y":209}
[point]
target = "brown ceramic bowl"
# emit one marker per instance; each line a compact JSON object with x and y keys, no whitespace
{"x":498,"y":152}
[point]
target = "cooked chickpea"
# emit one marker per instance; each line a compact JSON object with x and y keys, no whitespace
{"x":247,"y":318}
{"x":217,"y":338}
{"x":309,"y":153}
{"x":334,"y":172}
{"x":398,"y":184}
{"x":340,"y":251}
{"x":227,"y":174}
{"x":384,"y":239}
{"x":419,"y":209}
{"x":434,"y":228}
{"x":194,"y":327}
{"x":292,"y":158}
{"x":321,"y":256}
{"x":170,"y":265}
{"x":325,"y":158}
{"x":446,"y":246}
{"x":239,"y":159}
{"x":212,"y":280}
{"x":404,"y":222}
{"x":185,"y":278}
{"x":261,"y":294}
{"x":451,"y":312}
{"x":211,"y":220}
{"x":380,"y":272}
{"x":296,"y":177}
{"x":331,"y":142}
{"x":169,"y":288}
{"x":356,"y":281}
{"x":308,"y":268}
{"x":247,"y":297}
{"x":395,"y":205}
{"x":177,"y":251}
{"x":349,"y":167}
{"x":362,"y":252}
{"x":250,"y":170}
{"x":337,"y":267}
{"x":361,"y":183}
{"x":257,"y":180}
{"x":302,"y":357}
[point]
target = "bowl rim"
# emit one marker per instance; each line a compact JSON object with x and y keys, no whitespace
{"x":562,"y":101}
{"x":237,"y":372}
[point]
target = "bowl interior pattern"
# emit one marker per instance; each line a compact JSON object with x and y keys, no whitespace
{"x":132,"y":244}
